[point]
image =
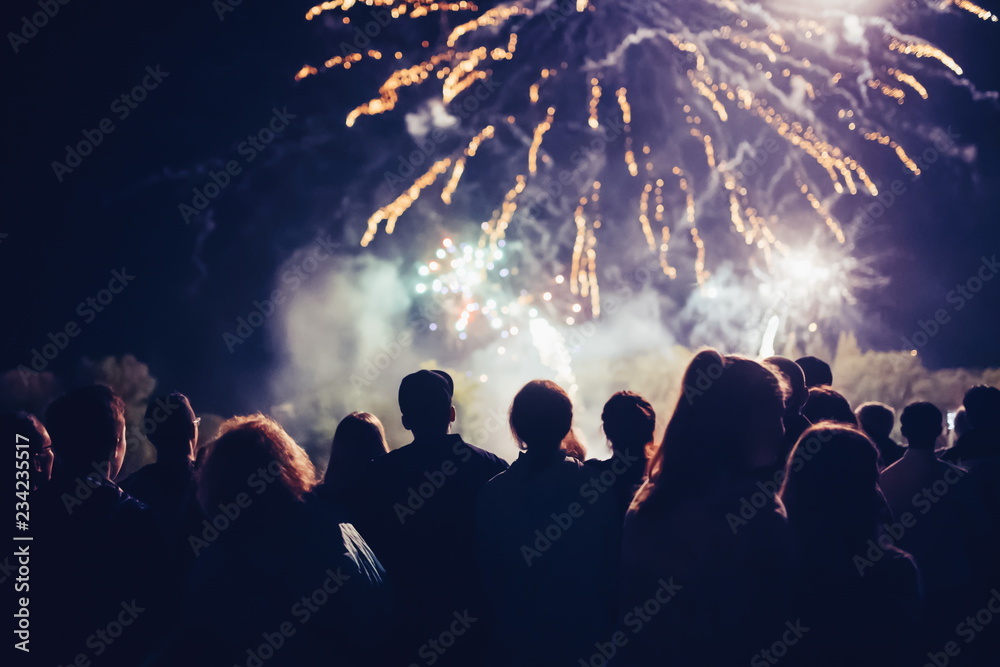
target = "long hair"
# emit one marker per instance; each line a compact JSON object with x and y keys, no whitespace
{"x":725,"y":402}
{"x":831,"y":489}
{"x":246,"y":446}
{"x":359,"y":438}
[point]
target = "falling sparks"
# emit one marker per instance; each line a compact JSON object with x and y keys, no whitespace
{"x":752,"y":77}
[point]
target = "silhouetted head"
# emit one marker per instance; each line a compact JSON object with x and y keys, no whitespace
{"x":796,"y":381}
{"x":728,"y":419}
{"x":876,"y":419}
{"x":359,"y":438}
{"x":982,"y":407}
{"x":87,"y":426}
{"x":825,"y":404}
{"x":831,"y":489}
{"x":172,"y":427}
{"x":33,"y":434}
{"x":541,"y":416}
{"x":629,"y":421}
{"x":961,"y":422}
{"x":253,"y":455}
{"x":817,"y":371}
{"x":921,"y":424}
{"x":425,"y":402}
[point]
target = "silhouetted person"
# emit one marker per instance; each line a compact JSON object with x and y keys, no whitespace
{"x":857,"y":593}
{"x":167,"y":486}
{"x":947,"y":518}
{"x":98,"y":552}
{"x":825,"y":404}
{"x":359,"y":439}
{"x":24,"y":428}
{"x":628,"y":421}
{"x":960,"y":428}
{"x":278,"y":580}
{"x":701,"y":585}
{"x":417,"y":509}
{"x":795,"y":423}
{"x":978,"y":451}
{"x":982,"y":441}
{"x":877,"y":420}
{"x":816,"y":371}
{"x":548,"y":532}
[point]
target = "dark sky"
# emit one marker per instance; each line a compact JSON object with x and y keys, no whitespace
{"x":119,"y":208}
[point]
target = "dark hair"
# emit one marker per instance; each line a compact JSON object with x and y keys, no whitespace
{"x":830,"y":491}
{"x":171,"y":432}
{"x":796,"y":380}
{"x":982,"y":407}
{"x":85,"y":425}
{"x":921,"y":424}
{"x":27,"y":425}
{"x":572,"y":446}
{"x":425,"y":400}
{"x":359,"y":438}
{"x":541,"y":415}
{"x":876,"y":419}
{"x":724,"y":400}
{"x":246,"y":446}
{"x":817,"y":372}
{"x":629,"y":420}
{"x":825,"y":404}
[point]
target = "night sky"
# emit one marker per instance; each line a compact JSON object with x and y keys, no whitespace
{"x":118,"y":210}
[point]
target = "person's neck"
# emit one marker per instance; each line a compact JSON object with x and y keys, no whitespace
{"x":920,"y":450}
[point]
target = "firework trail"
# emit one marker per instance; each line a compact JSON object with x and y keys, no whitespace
{"x":695,"y":132}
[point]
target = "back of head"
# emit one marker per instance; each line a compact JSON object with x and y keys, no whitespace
{"x":817,"y":371}
{"x":730,"y":410}
{"x":962,"y":425}
{"x":921,"y":424}
{"x":629,"y":421}
{"x":796,"y":381}
{"x":831,"y":486}
{"x":425,"y":402}
{"x":982,"y":407}
{"x":87,"y":428}
{"x":170,"y":425}
{"x":825,"y":404}
{"x":14,"y":426}
{"x":876,"y":419}
{"x":540,"y":416}
{"x":359,"y":438}
{"x":253,"y":455}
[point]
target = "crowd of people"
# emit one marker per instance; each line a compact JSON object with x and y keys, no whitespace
{"x":771,"y":523}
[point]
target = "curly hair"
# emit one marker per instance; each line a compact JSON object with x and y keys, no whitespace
{"x":247,"y":448}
